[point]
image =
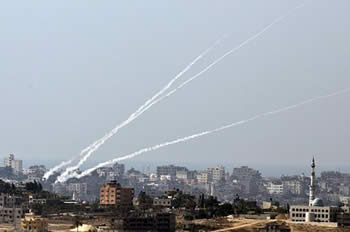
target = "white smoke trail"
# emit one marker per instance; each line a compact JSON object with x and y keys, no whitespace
{"x":56,"y":168}
{"x":95,"y":146}
{"x":221,"y":58}
{"x":184,"y":139}
{"x":155,"y":101}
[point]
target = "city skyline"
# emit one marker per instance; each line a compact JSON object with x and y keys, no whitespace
{"x":173,"y":116}
{"x":52,"y":114}
{"x":266,"y":170}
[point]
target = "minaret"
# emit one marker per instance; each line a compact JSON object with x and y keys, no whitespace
{"x":312,"y":185}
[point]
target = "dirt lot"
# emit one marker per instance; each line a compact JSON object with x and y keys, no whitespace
{"x":219,"y":225}
{"x":6,"y":227}
{"x":249,"y":225}
{"x":313,"y":228}
{"x":59,"y":226}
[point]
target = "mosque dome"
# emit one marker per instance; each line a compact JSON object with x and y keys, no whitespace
{"x":317,"y":202}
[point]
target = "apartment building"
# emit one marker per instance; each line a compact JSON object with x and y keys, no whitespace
{"x":217,"y":173}
{"x":11,"y":162}
{"x":112,"y":194}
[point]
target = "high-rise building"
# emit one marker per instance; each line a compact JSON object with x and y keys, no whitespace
{"x":112,"y":194}
{"x":119,"y":169}
{"x":217,"y":173}
{"x":204,"y":177}
{"x":248,"y":178}
{"x":11,"y":162}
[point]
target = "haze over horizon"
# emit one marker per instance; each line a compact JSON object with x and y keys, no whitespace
{"x":73,"y":70}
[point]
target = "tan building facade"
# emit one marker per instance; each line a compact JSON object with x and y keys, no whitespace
{"x":112,"y":194}
{"x":34,"y":223}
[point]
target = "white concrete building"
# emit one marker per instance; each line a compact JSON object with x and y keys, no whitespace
{"x":16,"y":165}
{"x":293,"y":186}
{"x":315,"y":211}
{"x":163,"y":202}
{"x":182,"y":174}
{"x":274,"y":188}
{"x":10,"y":209}
{"x":204,"y":177}
{"x":217,"y":173}
{"x":79,"y":188}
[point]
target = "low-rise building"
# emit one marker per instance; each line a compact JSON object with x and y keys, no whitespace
{"x":34,"y":223}
{"x":78,"y":188}
{"x":10,"y":200}
{"x":33,"y":200}
{"x":313,"y":213}
{"x":345,"y":209}
{"x":269,"y":205}
{"x":162,"y":202}
{"x":10,"y":215}
{"x":10,"y":208}
{"x":273,"y":227}
{"x":343,"y":220}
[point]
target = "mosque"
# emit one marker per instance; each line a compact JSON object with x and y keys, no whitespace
{"x":316,"y":211}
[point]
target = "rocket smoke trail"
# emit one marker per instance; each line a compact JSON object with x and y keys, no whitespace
{"x":56,"y":168}
{"x":93,"y":147}
{"x":155,"y":101}
{"x":184,"y":139}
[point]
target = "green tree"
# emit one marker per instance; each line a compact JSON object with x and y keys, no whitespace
{"x":224,"y":210}
{"x":145,"y":201}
